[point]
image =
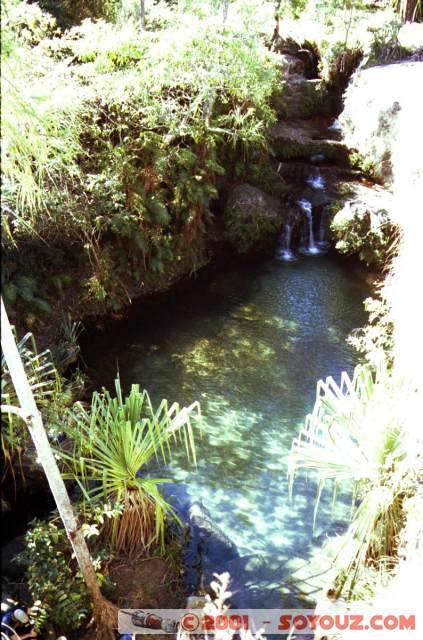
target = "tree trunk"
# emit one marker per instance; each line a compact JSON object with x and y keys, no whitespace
{"x":407,"y":10}
{"x":142,"y":14}
{"x":105,"y":613}
{"x":275,"y":34}
{"x":225,"y":10}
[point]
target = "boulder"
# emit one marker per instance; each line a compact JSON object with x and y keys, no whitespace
{"x":363,"y":223}
{"x":252,"y":217}
{"x":291,"y":65}
{"x":410,"y":36}
{"x":303,"y":98}
{"x":374,"y":103}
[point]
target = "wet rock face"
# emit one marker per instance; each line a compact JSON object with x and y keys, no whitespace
{"x":374,"y":101}
{"x":302,"y":139}
{"x":299,"y":172}
{"x":290,"y":65}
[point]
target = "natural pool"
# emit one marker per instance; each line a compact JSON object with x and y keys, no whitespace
{"x":250,"y":345}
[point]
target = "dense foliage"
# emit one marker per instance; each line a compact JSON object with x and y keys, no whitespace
{"x":132,"y":135}
{"x":129,"y":135}
{"x":54,"y":581}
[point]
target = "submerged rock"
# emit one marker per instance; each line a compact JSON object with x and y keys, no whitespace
{"x":214,"y":544}
{"x":207,"y":550}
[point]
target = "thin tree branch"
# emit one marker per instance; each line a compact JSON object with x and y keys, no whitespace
{"x":17,"y":411}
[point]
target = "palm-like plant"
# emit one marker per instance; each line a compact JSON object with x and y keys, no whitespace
{"x":113,"y":442}
{"x":105,"y":613}
{"x":361,"y":432}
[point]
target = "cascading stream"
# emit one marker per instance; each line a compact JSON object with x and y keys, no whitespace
{"x":308,"y":245}
{"x":284,"y":251}
{"x":316,"y":181}
{"x":306,"y":208}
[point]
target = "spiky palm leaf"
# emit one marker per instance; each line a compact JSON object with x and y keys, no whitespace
{"x":113,"y":442}
{"x":358,"y":433}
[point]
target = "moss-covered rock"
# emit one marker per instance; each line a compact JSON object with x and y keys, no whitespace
{"x":363,"y":224}
{"x":252,"y":218}
{"x":300,"y":139}
{"x":302,"y":98}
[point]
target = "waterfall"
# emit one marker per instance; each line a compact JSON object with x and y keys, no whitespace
{"x":316,"y":181}
{"x":288,"y":234}
{"x":284,"y":251}
{"x":305,"y":206}
{"x":336,"y":126}
{"x":317,"y":158}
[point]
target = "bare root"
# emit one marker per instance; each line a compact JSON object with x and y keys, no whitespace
{"x":105,"y":619}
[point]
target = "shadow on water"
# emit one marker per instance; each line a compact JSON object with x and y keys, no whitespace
{"x":250,"y":345}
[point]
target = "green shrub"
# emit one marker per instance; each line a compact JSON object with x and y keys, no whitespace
{"x":375,"y":340}
{"x":28,"y":21}
{"x":54,"y":581}
{"x":384,"y":46}
{"x":124,"y":184}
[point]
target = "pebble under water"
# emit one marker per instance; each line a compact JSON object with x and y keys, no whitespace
{"x":250,"y":345}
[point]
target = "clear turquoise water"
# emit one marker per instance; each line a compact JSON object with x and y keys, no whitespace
{"x":250,"y":345}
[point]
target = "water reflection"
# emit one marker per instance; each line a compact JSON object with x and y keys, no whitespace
{"x":250,"y":346}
